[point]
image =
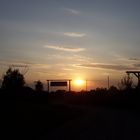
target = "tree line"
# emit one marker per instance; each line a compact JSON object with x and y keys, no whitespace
{"x":14,"y":80}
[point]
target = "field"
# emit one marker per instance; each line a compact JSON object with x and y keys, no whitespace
{"x":66,"y":118}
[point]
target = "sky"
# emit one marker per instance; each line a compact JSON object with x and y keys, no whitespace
{"x":70,"y":39}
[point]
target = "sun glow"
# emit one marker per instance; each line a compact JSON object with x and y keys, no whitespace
{"x":79,"y":82}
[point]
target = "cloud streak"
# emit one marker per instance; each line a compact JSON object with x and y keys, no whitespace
{"x":134,"y":59}
{"x":72,"y":11}
{"x":59,"y":48}
{"x":73,"y":34}
{"x":16,"y":64}
{"x":137,"y":65}
{"x":108,"y":66}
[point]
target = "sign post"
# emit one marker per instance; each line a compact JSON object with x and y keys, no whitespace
{"x":59,"y":83}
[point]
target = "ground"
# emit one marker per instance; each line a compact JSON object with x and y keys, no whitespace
{"x":25,"y":119}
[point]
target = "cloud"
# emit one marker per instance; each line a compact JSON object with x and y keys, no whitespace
{"x":16,"y":64}
{"x":64,"y":48}
{"x":134,"y":59}
{"x":73,"y":34}
{"x":137,"y":65}
{"x":126,"y":59}
{"x":68,"y":69}
{"x":107,"y":66}
{"x":72,"y":11}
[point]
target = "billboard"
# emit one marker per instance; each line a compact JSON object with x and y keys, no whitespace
{"x":58,"y":83}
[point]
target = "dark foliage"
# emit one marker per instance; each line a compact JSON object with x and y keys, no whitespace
{"x":126,"y":83}
{"x":13,"y":80}
{"x":39,"y":86}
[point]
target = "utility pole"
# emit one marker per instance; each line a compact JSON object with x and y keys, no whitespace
{"x":108,"y":81}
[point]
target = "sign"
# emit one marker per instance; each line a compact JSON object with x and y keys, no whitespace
{"x":58,"y":83}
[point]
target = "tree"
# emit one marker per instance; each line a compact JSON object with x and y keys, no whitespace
{"x":126,"y":82}
{"x":113,"y":90}
{"x":39,"y":86}
{"x":13,"y":79}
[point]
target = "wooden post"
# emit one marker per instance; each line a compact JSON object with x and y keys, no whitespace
{"x":86,"y":85}
{"x":138,"y":79}
{"x":48,"y":85}
{"x":137,"y":74}
{"x":69,"y":85}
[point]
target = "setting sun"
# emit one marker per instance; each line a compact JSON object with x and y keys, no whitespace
{"x":79,"y":82}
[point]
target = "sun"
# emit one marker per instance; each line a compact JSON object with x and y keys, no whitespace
{"x":79,"y":82}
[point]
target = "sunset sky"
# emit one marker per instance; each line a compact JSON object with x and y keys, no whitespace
{"x":76,"y":39}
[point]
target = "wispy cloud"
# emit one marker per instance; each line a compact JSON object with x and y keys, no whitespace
{"x":16,"y":64}
{"x":64,"y":48}
{"x":72,"y":11}
{"x":126,"y":59}
{"x":107,"y":66}
{"x":134,"y":59}
{"x":74,"y":34}
{"x":137,"y":65}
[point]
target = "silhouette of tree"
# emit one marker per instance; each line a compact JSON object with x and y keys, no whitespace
{"x":13,"y":79}
{"x":113,"y":88}
{"x":39,"y":86}
{"x":126,"y":82}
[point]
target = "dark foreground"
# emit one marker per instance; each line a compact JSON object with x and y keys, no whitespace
{"x":99,"y":124}
{"x":60,"y":118}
